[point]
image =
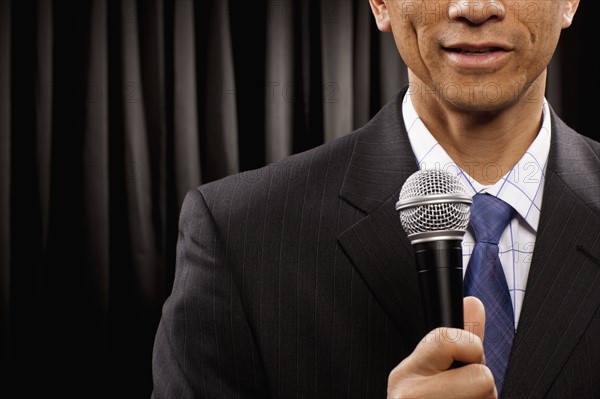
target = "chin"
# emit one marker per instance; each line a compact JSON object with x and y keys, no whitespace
{"x":479,"y":104}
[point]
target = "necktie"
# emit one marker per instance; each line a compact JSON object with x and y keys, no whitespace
{"x":485,"y":280}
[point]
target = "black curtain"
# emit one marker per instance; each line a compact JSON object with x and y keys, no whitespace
{"x":111,"y":110}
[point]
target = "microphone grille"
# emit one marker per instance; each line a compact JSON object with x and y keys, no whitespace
{"x":433,"y":200}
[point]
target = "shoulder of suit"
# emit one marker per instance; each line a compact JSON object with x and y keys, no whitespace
{"x":287,"y":171}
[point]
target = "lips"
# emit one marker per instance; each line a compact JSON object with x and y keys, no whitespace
{"x":475,"y":50}
{"x":477,"y":56}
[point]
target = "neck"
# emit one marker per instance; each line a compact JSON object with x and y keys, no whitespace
{"x":486,"y":144}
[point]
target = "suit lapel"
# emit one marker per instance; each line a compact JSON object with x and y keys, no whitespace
{"x":563,"y":288}
{"x":383,"y":257}
{"x":381,"y":161}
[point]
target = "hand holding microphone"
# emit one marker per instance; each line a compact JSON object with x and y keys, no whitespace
{"x":434,"y":211}
{"x":426,"y":372}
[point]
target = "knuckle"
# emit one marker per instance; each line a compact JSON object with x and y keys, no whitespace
{"x":477,"y":345}
{"x":444,"y":338}
{"x":476,"y":340}
{"x":483,"y":377}
{"x":393,"y":377}
{"x":396,"y":375}
{"x":401,"y":371}
{"x":401,"y":392}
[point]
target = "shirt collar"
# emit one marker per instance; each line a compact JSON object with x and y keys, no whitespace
{"x":521,"y":187}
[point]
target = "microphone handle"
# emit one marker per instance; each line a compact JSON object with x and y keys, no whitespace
{"x":440,"y":271}
{"x":439,"y":267}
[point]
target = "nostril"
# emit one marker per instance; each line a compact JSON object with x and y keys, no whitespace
{"x":476,"y":12}
{"x":476,"y":21}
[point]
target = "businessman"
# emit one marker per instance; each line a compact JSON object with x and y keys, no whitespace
{"x":297,"y":281}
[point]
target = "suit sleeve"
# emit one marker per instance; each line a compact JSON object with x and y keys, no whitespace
{"x":204,"y":347}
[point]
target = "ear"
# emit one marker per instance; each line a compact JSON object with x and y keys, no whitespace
{"x":569,"y":12}
{"x":382,"y":17}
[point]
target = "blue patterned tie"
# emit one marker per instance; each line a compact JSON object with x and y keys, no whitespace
{"x":485,"y":280}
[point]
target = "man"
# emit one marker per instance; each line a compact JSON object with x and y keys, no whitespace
{"x":297,"y":280}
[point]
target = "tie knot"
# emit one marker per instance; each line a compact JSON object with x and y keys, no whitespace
{"x":489,"y":217}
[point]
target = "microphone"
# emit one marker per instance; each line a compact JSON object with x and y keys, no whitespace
{"x":434,"y":210}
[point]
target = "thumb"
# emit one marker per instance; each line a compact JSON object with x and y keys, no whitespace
{"x":474,"y":315}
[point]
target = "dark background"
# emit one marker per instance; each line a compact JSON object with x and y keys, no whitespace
{"x":111,"y":111}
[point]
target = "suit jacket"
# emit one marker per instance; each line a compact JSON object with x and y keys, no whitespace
{"x":297,"y":281}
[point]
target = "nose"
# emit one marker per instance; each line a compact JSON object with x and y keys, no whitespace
{"x":476,"y":12}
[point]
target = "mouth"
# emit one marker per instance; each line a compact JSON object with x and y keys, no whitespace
{"x":474,"y":51}
{"x":483,"y":56}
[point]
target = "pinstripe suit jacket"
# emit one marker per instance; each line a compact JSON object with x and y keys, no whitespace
{"x":297,"y":281}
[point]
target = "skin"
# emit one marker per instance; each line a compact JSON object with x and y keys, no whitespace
{"x":425,"y":374}
{"x":480,"y":114}
{"x":482,"y":108}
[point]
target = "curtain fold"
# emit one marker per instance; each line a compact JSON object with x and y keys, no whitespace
{"x":185,"y":120}
{"x":5,"y":174}
{"x":279,"y":79}
{"x":111,"y":111}
{"x":337,"y":28}
{"x":220,"y":132}
{"x":137,"y":171}
{"x":154,"y":48}
{"x":43,"y":91}
{"x":362,"y":37}
{"x":95,"y":184}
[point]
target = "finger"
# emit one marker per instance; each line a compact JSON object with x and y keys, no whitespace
{"x":472,"y":381}
{"x":474,"y":315}
{"x":441,"y":347}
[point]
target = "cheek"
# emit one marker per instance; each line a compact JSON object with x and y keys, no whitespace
{"x":408,"y":32}
{"x":406,"y":42}
{"x":545,"y":25}
{"x":544,"y":41}
{"x":414,"y":47}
